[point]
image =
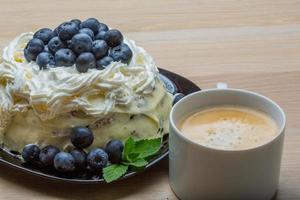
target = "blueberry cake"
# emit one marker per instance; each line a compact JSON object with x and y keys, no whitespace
{"x":80,"y":74}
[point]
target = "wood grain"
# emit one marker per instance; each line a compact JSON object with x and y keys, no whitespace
{"x":248,"y":44}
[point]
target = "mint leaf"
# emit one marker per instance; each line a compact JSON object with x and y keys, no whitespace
{"x":138,"y":163}
{"x":132,"y":157}
{"x":128,"y":148}
{"x":114,"y":172}
{"x":147,"y":147}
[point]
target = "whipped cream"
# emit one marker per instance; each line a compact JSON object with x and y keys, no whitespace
{"x":118,"y":88}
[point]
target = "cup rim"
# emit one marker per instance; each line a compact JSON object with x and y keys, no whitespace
{"x":192,"y":95}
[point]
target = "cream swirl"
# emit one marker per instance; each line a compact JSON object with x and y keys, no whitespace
{"x":62,"y":89}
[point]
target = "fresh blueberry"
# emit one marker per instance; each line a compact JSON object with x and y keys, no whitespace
{"x":177,"y":97}
{"x":55,"y":32}
{"x":88,"y":32}
{"x":77,"y":22}
{"x":114,"y":149}
{"x":103,"y":62}
{"x":33,"y":48}
{"x":80,"y":158}
{"x":100,"y":35}
{"x":99,"y":48}
{"x":97,"y":159}
{"x":103,"y":27}
{"x":64,"y":57}
{"x":67,"y":30}
{"x":113,"y":37}
{"x":85,"y":61}
{"x":55,"y":44}
{"x":121,"y":53}
{"x":47,"y":155}
{"x":169,"y":85}
{"x":92,"y":24}
{"x":44,"y":34}
{"x":81,"y":43}
{"x":44,"y":60}
{"x":81,"y":137}
{"x":64,"y":162}
{"x":31,"y":153}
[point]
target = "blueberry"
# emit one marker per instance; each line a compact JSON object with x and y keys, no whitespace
{"x":47,"y":155}
{"x":77,"y":22}
{"x":80,"y":158}
{"x":100,"y":35}
{"x":67,"y":30}
{"x":177,"y":97}
{"x":64,"y":162}
{"x":31,"y":153}
{"x":121,"y":53}
{"x":113,"y":37}
{"x":103,"y":62}
{"x":85,"y":61}
{"x":92,"y":24}
{"x":44,"y":60}
{"x":81,"y":43}
{"x":87,"y":31}
{"x":44,"y":34}
{"x":114,"y":149}
{"x":55,"y":44}
{"x":55,"y":32}
{"x":103,"y":27}
{"x":33,"y":48}
{"x":81,"y":137}
{"x":64,"y":57}
{"x":97,"y":159}
{"x":99,"y":48}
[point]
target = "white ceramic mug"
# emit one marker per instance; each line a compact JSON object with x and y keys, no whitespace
{"x":199,"y":172}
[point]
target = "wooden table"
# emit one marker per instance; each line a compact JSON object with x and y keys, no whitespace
{"x":248,"y":44}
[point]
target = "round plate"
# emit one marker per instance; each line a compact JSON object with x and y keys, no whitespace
{"x":173,"y":82}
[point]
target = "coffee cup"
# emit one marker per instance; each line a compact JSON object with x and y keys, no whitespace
{"x":200,"y":172}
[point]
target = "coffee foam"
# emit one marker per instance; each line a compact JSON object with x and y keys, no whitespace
{"x":229,"y":127}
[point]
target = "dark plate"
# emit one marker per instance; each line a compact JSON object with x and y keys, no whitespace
{"x":174,"y":83}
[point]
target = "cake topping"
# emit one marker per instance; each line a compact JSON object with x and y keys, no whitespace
{"x":45,"y":59}
{"x":92,"y":24}
{"x":121,"y":53}
{"x":100,"y":48}
{"x":55,"y":44}
{"x":85,"y":61}
{"x":64,"y":57}
{"x":77,"y":37}
{"x":103,"y":62}
{"x":87,"y":31}
{"x":113,"y":37}
{"x":81,"y":43}
{"x":67,"y":30}
{"x":44,"y":34}
{"x":33,"y":49}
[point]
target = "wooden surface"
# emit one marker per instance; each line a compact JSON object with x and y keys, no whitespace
{"x":248,"y":44}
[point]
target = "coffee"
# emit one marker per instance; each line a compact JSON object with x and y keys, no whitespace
{"x":229,"y":127}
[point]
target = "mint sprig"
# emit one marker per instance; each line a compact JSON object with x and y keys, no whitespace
{"x":135,"y":155}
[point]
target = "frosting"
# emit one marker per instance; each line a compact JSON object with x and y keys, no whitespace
{"x":118,"y":88}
